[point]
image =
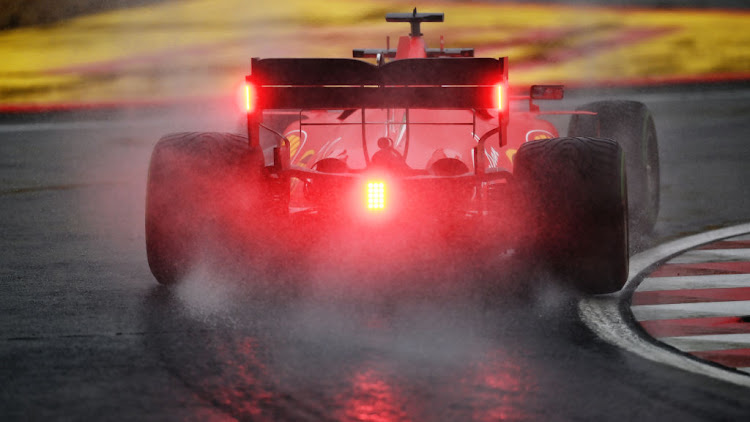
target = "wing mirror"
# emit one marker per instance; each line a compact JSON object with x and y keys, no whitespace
{"x":547,"y":92}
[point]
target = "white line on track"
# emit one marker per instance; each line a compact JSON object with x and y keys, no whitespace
{"x":718,"y":281}
{"x":177,"y":122}
{"x":82,"y":125}
{"x":696,"y":96}
{"x":708,"y":342}
{"x":124,"y":119}
{"x":603,"y":315}
{"x":712,"y":255}
{"x":717,"y":95}
{"x":690,"y":310}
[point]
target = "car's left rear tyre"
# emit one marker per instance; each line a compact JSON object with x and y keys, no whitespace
{"x":204,"y":190}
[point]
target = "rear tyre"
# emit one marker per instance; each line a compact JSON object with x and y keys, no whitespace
{"x":573,"y":191}
{"x":630,"y":124}
{"x":203,"y":189}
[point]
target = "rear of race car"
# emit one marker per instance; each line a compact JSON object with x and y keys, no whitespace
{"x":416,"y":159}
{"x":379,"y":144}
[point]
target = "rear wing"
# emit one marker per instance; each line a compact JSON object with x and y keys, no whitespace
{"x":350,"y":83}
{"x":432,"y":83}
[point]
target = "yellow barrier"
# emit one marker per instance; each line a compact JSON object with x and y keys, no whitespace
{"x":199,"y":48}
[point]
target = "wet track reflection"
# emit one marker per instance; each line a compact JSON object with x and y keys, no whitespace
{"x":339,"y":359}
{"x":455,"y":357}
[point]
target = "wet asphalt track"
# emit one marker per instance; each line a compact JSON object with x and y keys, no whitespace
{"x":86,"y":332}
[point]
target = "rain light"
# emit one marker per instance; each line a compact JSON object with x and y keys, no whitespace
{"x":375,"y":196}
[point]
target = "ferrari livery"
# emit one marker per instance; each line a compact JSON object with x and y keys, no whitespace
{"x":405,"y":149}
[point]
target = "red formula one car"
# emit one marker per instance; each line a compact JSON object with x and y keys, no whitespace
{"x":423,"y":151}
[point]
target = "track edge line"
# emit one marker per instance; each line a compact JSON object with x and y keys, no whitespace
{"x":610,"y":318}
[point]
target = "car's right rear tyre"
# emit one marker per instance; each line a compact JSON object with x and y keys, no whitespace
{"x":203,"y":191}
{"x":575,"y":200}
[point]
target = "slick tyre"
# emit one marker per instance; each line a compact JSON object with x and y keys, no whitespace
{"x":573,"y":191}
{"x":201,"y":188}
{"x":630,"y":124}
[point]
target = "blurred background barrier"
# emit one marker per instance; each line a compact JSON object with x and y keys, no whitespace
{"x":86,"y":52}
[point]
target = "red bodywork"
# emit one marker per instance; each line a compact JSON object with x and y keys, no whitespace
{"x":451,"y":135}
